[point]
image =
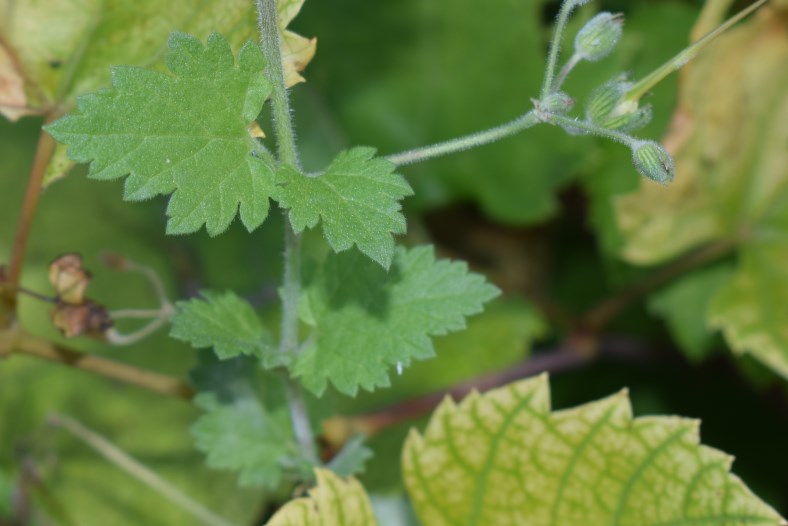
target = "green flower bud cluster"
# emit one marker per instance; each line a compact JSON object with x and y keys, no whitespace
{"x":607,"y":107}
{"x":598,"y":38}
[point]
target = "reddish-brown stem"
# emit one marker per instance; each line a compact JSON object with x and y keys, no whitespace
{"x":44,"y":150}
{"x":575,"y":353}
{"x":607,"y":310}
{"x":21,"y":343}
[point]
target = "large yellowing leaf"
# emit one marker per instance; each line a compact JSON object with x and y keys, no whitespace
{"x":333,"y":502}
{"x":730,"y":144}
{"x":503,"y":458}
{"x":51,"y":51}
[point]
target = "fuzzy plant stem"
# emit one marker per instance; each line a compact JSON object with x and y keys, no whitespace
{"x":466,"y":142}
{"x":555,"y":44}
{"x":268,"y":22}
{"x":589,"y":128}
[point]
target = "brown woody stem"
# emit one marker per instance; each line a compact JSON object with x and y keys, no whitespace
{"x":44,"y":150}
{"x":21,"y":343}
{"x":607,"y":310}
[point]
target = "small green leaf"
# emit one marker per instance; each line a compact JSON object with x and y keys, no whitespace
{"x":367,"y":320}
{"x":505,"y":458}
{"x":351,"y":458}
{"x":334,"y":501}
{"x":246,"y":425}
{"x":357,"y":197}
{"x":222,"y":321}
{"x":184,"y":134}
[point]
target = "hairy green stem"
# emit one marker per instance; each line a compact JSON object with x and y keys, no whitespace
{"x":573,"y":61}
{"x":288,"y":154}
{"x":555,"y":45}
{"x":591,"y":129}
{"x":121,"y":459}
{"x":466,"y":142}
{"x":268,"y":22}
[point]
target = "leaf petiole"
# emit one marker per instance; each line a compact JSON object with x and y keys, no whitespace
{"x":466,"y":142}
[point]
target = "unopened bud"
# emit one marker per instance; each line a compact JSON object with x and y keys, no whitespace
{"x":598,"y":38}
{"x":608,"y":108}
{"x":653,"y":161}
{"x":628,"y":122}
{"x":557,"y":102}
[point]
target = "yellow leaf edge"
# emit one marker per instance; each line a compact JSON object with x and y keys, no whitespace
{"x":333,"y":501}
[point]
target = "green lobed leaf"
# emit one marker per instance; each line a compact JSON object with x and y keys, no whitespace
{"x":505,"y":458}
{"x":334,"y":501}
{"x":223,"y":321}
{"x":184,"y":134}
{"x":367,"y":319}
{"x":52,"y":51}
{"x":357,"y":197}
{"x":731,"y":186}
{"x":246,"y":426}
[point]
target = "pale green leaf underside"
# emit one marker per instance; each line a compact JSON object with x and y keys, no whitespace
{"x":246,"y":424}
{"x":684,"y":305}
{"x":357,"y":197}
{"x":184,"y":134}
{"x":222,"y":321}
{"x":333,"y":502}
{"x":504,"y":458}
{"x":752,"y":307}
{"x":367,"y":320}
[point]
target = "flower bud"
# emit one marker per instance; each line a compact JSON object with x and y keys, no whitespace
{"x":607,"y":108}
{"x":598,"y":37}
{"x":557,"y":102}
{"x":653,"y":161}
{"x":628,"y":122}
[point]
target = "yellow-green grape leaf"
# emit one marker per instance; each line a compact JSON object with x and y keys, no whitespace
{"x":367,"y":320}
{"x":751,"y":308}
{"x":184,"y":134}
{"x":504,"y":458}
{"x":729,"y":143}
{"x":52,"y":51}
{"x":225,"y":322}
{"x":333,"y":502}
{"x":357,"y":198}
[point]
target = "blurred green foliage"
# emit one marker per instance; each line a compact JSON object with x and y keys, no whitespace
{"x":392,"y":74}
